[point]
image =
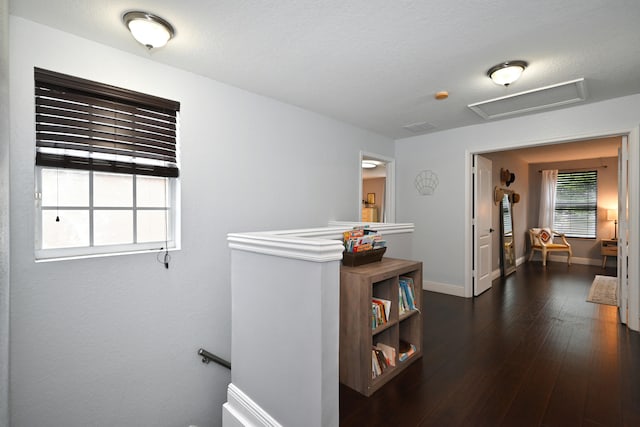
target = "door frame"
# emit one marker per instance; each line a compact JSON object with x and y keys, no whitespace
{"x":633,"y":222}
{"x":633,"y":228}
{"x":390,"y":185}
{"x":621,"y":244}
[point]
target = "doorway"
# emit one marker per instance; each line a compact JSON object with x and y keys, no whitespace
{"x":564,"y":150}
{"x":376,"y":195}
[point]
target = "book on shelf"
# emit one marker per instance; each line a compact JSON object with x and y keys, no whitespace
{"x":378,"y":362}
{"x":389,"y":353}
{"x":377,"y":315}
{"x":375,"y":365}
{"x":380,"y":312}
{"x":405,"y":350}
{"x":407,"y":293}
{"x":402,"y":302}
{"x":382,"y":361}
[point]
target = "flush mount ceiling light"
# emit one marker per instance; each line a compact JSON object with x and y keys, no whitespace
{"x":506,"y":73}
{"x":149,"y":30}
{"x":369,"y":164}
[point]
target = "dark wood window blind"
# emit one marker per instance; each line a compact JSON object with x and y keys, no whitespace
{"x":81,"y":124}
{"x":576,"y":204}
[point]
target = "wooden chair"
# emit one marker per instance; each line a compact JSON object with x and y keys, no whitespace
{"x":542,"y":239}
{"x":508,"y":250}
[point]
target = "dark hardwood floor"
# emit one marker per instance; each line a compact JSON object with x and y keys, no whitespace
{"x":528,"y":352}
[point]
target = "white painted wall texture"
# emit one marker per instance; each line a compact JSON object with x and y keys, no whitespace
{"x":4,"y":213}
{"x":287,"y":311}
{"x":439,"y":239}
{"x":113,"y":340}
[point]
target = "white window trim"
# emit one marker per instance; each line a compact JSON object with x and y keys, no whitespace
{"x":54,"y":254}
{"x":570,"y":233}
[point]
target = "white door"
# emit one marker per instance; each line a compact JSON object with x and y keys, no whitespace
{"x":482,"y":232}
{"x":623,"y":196}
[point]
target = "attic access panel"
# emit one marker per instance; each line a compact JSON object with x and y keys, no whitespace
{"x":532,"y":100}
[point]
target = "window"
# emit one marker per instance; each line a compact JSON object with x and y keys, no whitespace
{"x":106,"y":168}
{"x":576,"y":204}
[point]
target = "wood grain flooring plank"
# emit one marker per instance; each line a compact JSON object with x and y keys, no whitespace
{"x":530,"y":351}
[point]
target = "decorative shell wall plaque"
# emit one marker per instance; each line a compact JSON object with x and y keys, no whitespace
{"x":426,"y":182}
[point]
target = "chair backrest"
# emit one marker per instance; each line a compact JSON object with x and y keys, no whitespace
{"x":540,"y":236}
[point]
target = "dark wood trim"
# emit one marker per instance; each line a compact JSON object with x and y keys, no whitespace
{"x":102,"y":89}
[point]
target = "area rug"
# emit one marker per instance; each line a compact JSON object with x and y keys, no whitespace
{"x":604,"y":290}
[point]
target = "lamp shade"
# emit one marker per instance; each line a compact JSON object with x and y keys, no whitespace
{"x":148,"y":29}
{"x":612,"y":214}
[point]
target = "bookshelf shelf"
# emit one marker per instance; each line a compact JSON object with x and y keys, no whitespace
{"x":408,"y":314}
{"x":358,"y":286}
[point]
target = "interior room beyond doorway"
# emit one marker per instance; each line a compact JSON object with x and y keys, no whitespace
{"x":599,"y":154}
{"x":374,"y":189}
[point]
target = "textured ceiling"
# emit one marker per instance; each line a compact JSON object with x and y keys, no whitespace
{"x":377,"y":63}
{"x":579,"y":150}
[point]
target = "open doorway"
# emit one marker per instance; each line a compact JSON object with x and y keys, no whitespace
{"x":525,"y":165}
{"x":376,"y":201}
{"x":601,"y":155}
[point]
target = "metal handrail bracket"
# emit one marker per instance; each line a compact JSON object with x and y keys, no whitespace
{"x":209,"y":357}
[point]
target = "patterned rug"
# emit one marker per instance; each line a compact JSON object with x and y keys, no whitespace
{"x":604,"y":290}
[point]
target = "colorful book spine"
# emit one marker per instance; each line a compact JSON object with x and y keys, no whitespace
{"x":407,"y":288}
{"x":402,"y":302}
{"x":381,"y":311}
{"x":389,"y":353}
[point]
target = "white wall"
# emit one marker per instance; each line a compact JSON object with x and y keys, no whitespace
{"x":4,"y":212}
{"x":285,"y":355}
{"x":439,"y":239}
{"x":113,"y":340}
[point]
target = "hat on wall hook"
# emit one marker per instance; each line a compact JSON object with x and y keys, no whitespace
{"x":426,"y":182}
{"x":507,"y":177}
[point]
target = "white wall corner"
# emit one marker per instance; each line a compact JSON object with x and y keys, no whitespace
{"x":443,"y":288}
{"x":241,"y":411}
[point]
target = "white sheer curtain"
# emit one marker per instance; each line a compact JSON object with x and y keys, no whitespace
{"x":547,"y":198}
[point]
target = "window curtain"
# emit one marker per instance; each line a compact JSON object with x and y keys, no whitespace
{"x":547,"y":198}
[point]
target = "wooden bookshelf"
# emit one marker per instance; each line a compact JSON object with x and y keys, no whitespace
{"x":358,"y":285}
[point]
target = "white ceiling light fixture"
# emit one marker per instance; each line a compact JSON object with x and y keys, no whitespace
{"x":506,"y":73}
{"x":149,"y":30}
{"x":369,"y":164}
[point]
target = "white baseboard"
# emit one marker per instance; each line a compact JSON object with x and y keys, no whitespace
{"x":495,"y":274}
{"x":443,"y":288}
{"x":574,"y":260}
{"x":241,"y":411}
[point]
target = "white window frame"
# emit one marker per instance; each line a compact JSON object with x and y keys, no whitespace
{"x":571,"y":233}
{"x":173,"y":228}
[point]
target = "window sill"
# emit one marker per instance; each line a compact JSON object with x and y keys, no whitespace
{"x":54,"y":258}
